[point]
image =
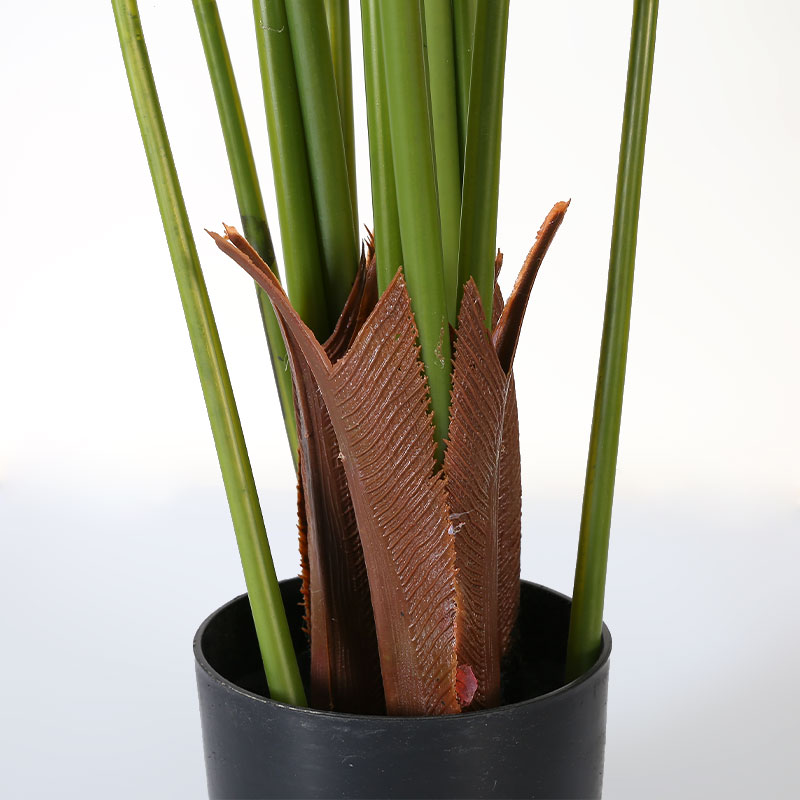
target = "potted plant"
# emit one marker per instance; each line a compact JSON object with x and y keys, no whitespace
{"x":420,"y":664}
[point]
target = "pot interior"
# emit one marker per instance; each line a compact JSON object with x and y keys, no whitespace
{"x":535,"y":665}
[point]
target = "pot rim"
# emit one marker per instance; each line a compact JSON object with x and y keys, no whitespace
{"x":202,"y":662}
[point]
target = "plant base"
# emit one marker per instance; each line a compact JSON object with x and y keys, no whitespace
{"x":547,"y":741}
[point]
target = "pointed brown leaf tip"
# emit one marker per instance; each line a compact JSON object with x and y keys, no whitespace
{"x":370,"y":242}
{"x":233,"y":244}
{"x":466,"y":685}
{"x":345,"y":328}
{"x":506,"y":333}
{"x":498,"y":264}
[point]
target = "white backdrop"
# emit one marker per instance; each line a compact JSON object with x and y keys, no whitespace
{"x":115,"y":536}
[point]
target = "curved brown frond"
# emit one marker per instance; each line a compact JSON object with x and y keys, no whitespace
{"x":506,"y":332}
{"x":482,"y":465}
{"x":441,"y":560}
{"x":379,"y":388}
{"x":345,"y":668}
{"x":377,"y":399}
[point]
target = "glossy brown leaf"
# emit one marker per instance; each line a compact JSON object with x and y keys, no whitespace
{"x":509,"y":525}
{"x":509,"y":522}
{"x":345,"y":669}
{"x":368,"y":476}
{"x":377,"y":399}
{"x":471,"y":463}
{"x":482,"y":466}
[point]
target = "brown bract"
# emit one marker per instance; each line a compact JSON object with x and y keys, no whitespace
{"x":345,"y":669}
{"x":406,"y":566}
{"x":377,"y":400}
{"x":472,"y":466}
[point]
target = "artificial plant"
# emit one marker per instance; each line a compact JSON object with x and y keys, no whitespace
{"x":403,"y":420}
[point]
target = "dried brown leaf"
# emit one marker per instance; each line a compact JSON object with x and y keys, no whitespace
{"x":377,"y":399}
{"x":368,"y":465}
{"x":482,"y":465}
{"x":506,"y":332}
{"x":471,"y":464}
{"x":345,"y":669}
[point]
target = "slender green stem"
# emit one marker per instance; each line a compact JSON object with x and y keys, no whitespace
{"x":464,"y":12}
{"x":338,"y":15}
{"x":301,"y":250}
{"x":478,"y":240}
{"x":420,"y":233}
{"x":442,"y":81}
{"x":388,"y":246}
{"x":586,"y":622}
{"x":308,"y":30}
{"x":262,"y":584}
{"x":248,"y":195}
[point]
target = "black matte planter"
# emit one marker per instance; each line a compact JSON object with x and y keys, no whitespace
{"x":548,"y":741}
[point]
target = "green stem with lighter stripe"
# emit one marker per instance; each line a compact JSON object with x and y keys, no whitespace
{"x":388,"y":246}
{"x":248,"y":195}
{"x":290,"y":170}
{"x":338,"y":15}
{"x":415,"y":176}
{"x":316,"y":85}
{"x":262,"y":584}
{"x":586,"y":620}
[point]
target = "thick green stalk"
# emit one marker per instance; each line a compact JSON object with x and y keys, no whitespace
{"x":259,"y":572}
{"x":464,"y":12}
{"x":384,"y":191}
{"x":586,"y":621}
{"x":338,"y":15}
{"x":442,"y":82}
{"x":248,"y":195}
{"x":478,"y":240}
{"x":287,"y":144}
{"x":308,"y":30}
{"x":415,"y":176}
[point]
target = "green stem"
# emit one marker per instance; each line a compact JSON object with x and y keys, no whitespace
{"x":308,"y":30}
{"x":388,"y":247}
{"x":586,"y":621}
{"x":464,"y":12}
{"x":478,"y":240}
{"x":287,"y":144}
{"x":248,"y":195}
{"x":420,"y":232}
{"x":259,"y":572}
{"x":442,"y":81}
{"x":338,"y":15}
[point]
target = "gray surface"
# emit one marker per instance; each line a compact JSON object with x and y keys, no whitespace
{"x":115,"y":540}
{"x":100,"y":601}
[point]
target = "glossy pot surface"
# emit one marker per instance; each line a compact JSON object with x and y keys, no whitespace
{"x":548,"y":741}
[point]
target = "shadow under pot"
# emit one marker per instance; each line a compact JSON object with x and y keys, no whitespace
{"x":548,"y":741}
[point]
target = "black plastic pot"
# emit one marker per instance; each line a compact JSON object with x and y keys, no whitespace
{"x":548,"y":741}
